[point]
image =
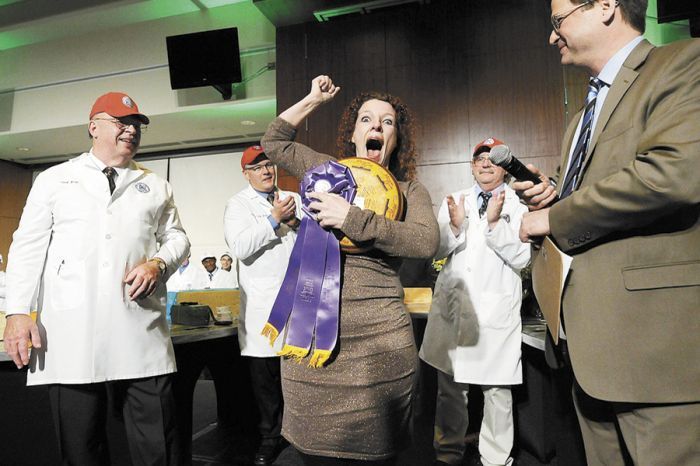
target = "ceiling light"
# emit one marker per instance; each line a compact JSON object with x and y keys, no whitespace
{"x":248,"y":123}
{"x":23,"y":149}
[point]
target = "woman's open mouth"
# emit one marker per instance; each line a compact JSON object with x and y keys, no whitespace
{"x":374,"y":149}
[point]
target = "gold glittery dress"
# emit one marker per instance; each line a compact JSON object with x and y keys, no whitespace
{"x":359,"y":405}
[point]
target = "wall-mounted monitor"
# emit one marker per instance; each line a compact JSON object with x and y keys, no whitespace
{"x":674,"y":10}
{"x":208,"y":58}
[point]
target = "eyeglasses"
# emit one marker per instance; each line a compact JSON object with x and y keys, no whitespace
{"x":558,"y":19}
{"x":258,"y":168}
{"x":481,"y":159}
{"x":122,"y":126}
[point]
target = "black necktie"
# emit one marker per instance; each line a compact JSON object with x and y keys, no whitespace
{"x":271,"y":198}
{"x":110,"y":174}
{"x":485,"y":204}
{"x":584,"y":137}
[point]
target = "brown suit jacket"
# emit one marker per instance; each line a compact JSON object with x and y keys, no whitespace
{"x":632,"y":301}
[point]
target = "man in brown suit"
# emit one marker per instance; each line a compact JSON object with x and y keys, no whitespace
{"x":629,"y":214}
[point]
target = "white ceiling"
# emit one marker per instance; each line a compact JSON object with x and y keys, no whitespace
{"x":56,"y":57}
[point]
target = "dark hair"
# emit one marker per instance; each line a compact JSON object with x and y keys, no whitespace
{"x":402,"y":162}
{"x":634,"y":12}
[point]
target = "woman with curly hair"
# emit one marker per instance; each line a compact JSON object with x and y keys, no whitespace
{"x":358,"y":406}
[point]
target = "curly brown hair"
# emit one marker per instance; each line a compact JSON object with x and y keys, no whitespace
{"x":402,"y":162}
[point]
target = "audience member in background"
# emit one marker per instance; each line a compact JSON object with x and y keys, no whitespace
{"x":260,"y":226}
{"x":224,"y":279}
{"x":209,"y":264}
{"x":226,"y":262}
{"x":101,"y":338}
{"x":473,"y":334}
{"x":217,"y":277}
{"x":629,"y":215}
{"x":187,"y":277}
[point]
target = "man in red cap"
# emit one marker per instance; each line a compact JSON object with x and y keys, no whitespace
{"x":473,"y":335}
{"x":260,"y":225}
{"x":98,"y":237}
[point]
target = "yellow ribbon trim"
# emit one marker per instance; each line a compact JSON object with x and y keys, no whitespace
{"x":319,"y":358}
{"x":294,"y":352}
{"x":270,"y":332}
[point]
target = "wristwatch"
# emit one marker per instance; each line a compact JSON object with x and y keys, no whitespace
{"x":161,"y":264}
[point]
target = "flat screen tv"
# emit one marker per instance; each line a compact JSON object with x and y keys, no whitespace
{"x":207,"y":58}
{"x":674,"y":10}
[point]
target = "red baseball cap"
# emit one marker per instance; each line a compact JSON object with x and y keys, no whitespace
{"x":251,"y":154}
{"x":486,"y":145}
{"x":117,"y":104}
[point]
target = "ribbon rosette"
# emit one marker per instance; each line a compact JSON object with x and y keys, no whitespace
{"x":309,"y":299}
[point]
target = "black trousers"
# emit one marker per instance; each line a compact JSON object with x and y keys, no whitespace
{"x":266,"y":381}
{"x":147,"y":405}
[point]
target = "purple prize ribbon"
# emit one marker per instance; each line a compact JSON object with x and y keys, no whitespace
{"x":308,"y":301}
{"x":330,"y":177}
{"x":307,"y":295}
{"x":328,"y":310}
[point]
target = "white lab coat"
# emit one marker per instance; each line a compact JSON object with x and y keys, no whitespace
{"x":474,"y":326}
{"x":223,"y":279}
{"x":263,"y":254}
{"x":78,"y":242}
{"x":191,"y":278}
{"x":2,"y":290}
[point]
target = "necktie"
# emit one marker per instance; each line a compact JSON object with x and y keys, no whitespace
{"x":211,"y":276}
{"x":271,"y":198}
{"x":110,"y":173}
{"x":485,"y":203}
{"x":584,"y":138}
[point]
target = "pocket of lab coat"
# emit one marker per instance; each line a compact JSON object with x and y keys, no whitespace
{"x":68,"y":288}
{"x":495,"y":310}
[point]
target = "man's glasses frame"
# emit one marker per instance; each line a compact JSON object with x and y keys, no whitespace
{"x":269,"y":166}
{"x":480,"y":159}
{"x":558,"y":19}
{"x":121,"y":126}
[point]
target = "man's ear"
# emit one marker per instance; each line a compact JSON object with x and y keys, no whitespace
{"x":92,"y":127}
{"x":608,"y":8}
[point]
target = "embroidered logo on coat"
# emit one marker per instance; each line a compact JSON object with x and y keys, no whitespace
{"x":142,"y":187}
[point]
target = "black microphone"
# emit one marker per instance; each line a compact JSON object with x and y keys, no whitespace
{"x":502,"y":156}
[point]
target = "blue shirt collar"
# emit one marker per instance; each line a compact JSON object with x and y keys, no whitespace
{"x":498,"y":189}
{"x":262,"y":193}
{"x":612,"y":67}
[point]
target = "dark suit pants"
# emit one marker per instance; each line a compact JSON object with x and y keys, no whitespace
{"x":147,"y":406}
{"x":641,"y":434}
{"x":267,"y":386}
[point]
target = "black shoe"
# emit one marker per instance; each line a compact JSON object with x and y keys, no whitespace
{"x":266,"y":454}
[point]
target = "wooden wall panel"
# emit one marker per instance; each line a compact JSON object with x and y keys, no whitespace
{"x":445,"y":178}
{"x":467,"y":70}
{"x":286,"y":181}
{"x":576,"y":87}
{"x":15,"y":182}
{"x":290,"y":53}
